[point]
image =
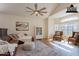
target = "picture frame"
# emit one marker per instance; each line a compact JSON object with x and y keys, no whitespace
{"x":22,"y":26}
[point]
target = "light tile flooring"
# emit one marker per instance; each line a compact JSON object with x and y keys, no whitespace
{"x":65,"y":49}
{"x":54,"y":48}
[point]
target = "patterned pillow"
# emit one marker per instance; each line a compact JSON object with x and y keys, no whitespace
{"x":14,"y":36}
{"x":13,"y":39}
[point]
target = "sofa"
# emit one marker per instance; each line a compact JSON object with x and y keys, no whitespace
{"x":7,"y":48}
{"x":12,"y":43}
{"x":13,"y":38}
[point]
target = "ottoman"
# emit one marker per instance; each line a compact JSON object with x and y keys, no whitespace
{"x":27,"y":46}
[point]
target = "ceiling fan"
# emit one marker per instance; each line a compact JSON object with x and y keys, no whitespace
{"x":37,"y":11}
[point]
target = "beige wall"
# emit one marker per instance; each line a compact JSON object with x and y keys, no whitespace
{"x":9,"y":21}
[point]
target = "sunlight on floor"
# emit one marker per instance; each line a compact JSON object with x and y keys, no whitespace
{"x":65,"y":44}
{"x":60,"y":47}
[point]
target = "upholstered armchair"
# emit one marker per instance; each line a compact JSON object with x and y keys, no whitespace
{"x":74,"y":38}
{"x":58,"y":35}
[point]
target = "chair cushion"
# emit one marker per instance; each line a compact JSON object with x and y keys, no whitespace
{"x":77,"y":37}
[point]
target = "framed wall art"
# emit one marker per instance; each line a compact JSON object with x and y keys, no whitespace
{"x":22,"y":26}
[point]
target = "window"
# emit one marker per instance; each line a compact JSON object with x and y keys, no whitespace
{"x":38,"y":30}
{"x":66,"y":28}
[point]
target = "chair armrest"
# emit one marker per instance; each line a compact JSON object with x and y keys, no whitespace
{"x":70,"y":37}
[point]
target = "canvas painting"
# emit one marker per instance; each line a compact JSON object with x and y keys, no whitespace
{"x":22,"y":26}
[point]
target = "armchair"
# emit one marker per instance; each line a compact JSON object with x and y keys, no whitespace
{"x":74,"y":38}
{"x":58,"y":35}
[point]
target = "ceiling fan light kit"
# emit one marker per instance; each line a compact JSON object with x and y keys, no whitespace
{"x":37,"y":11}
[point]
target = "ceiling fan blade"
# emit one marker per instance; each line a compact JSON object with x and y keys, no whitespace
{"x":36,"y":6}
{"x":32,"y":13}
{"x":29,"y":8}
{"x":43,"y":12}
{"x":42,"y":9}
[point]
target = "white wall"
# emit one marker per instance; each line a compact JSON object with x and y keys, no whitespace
{"x":50,"y":27}
{"x":9,"y":21}
{"x":45,"y":28}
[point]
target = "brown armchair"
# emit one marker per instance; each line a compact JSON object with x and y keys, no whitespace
{"x":74,"y":38}
{"x":58,"y":35}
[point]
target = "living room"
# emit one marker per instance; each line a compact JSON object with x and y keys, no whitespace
{"x":39,"y":21}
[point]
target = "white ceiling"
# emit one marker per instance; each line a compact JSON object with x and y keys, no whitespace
{"x":20,"y":8}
